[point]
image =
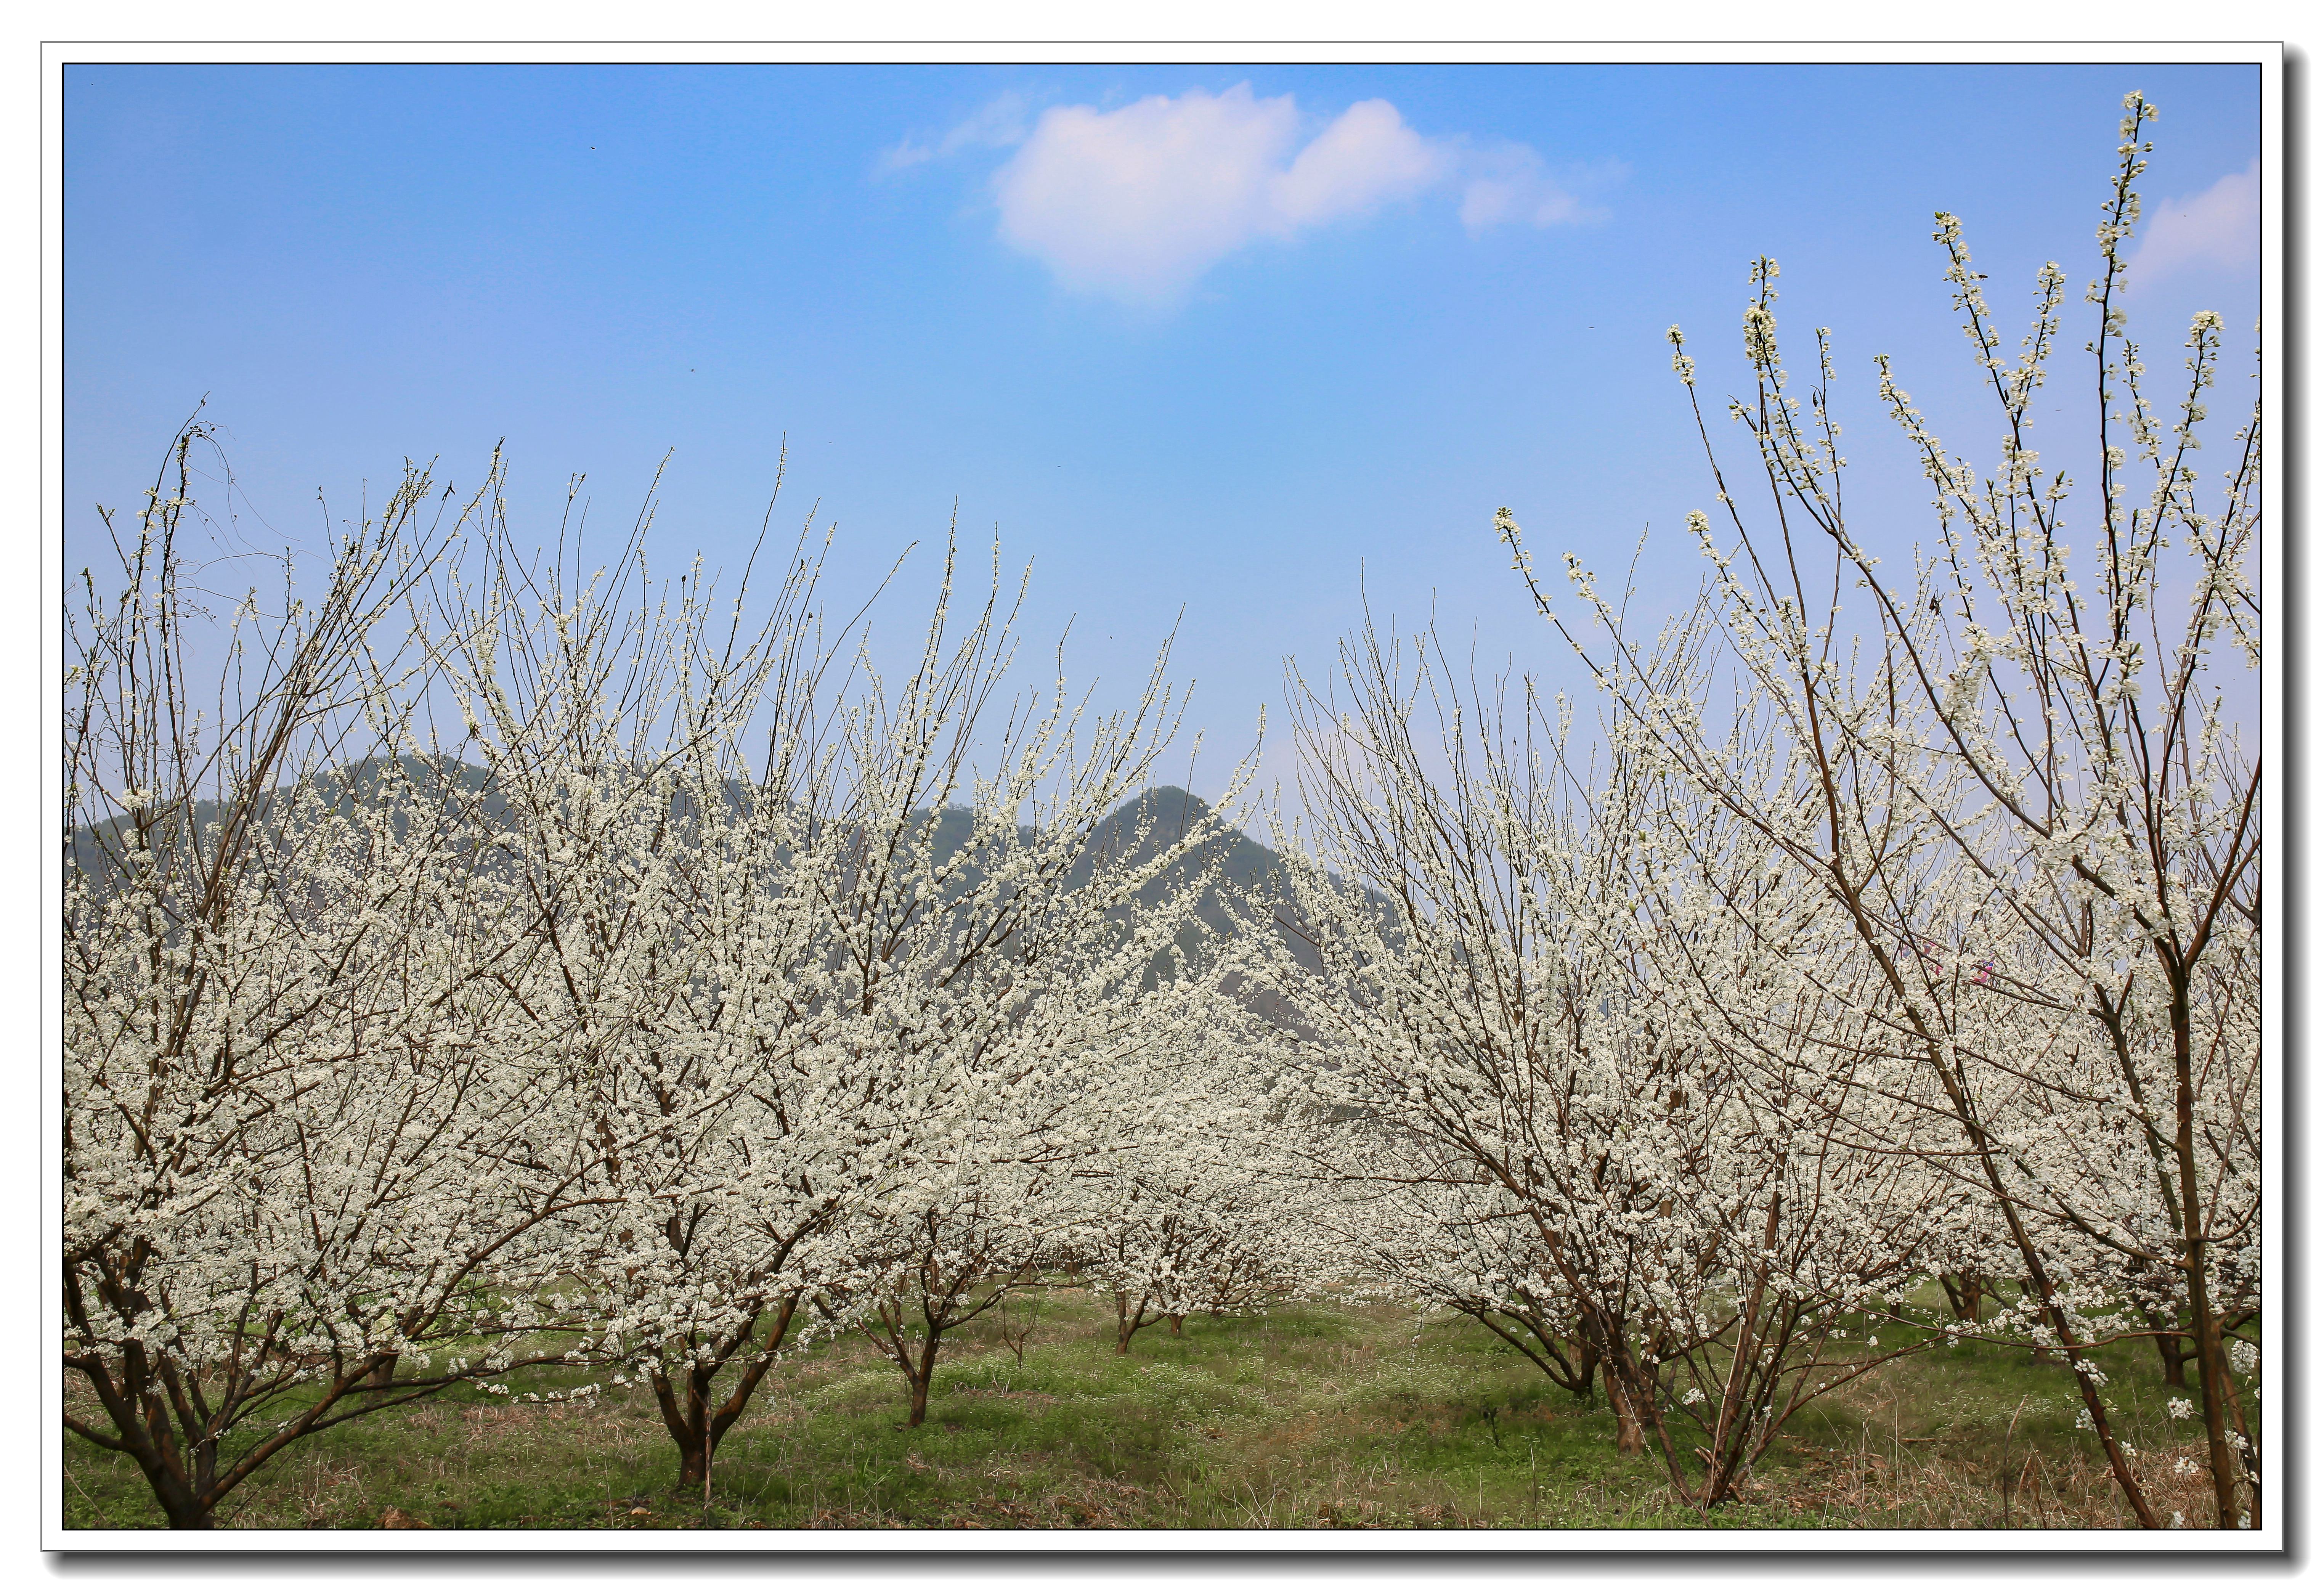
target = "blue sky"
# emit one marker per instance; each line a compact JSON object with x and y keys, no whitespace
{"x":1243,"y":341}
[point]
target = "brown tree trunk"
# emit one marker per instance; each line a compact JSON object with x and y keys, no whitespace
{"x":184,"y":1484}
{"x":694,"y":1426}
{"x":1629,"y":1436}
{"x":184,"y":1506}
{"x":1177,"y":1320}
{"x":202,"y":1514}
{"x":1965,"y":1292}
{"x":1128,"y":1320}
{"x":920,"y":1375}
{"x":684,"y":1412}
{"x":1585,"y":1371}
{"x":2172,"y":1347}
{"x":2037,"y":1275}
{"x":2210,"y":1343}
{"x":143,"y":1407}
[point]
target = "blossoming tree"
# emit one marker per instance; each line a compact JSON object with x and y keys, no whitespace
{"x":1188,"y":1195}
{"x":994,"y":954}
{"x":2037,"y":819}
{"x":305,"y":1170}
{"x":678,"y":949}
{"x":1535,"y":1021}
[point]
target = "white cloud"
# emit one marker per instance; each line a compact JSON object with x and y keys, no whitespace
{"x":995,"y":127}
{"x":1138,"y":203}
{"x":2217,"y":228}
{"x":1360,"y":163}
{"x":1510,"y":184}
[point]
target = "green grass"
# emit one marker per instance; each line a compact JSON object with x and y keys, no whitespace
{"x":1321,"y":1415}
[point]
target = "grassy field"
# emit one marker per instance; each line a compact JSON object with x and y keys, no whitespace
{"x":1316,"y":1416}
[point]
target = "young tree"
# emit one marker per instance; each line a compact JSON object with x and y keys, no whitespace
{"x":986,"y":954}
{"x":1534,"y":1006}
{"x":1186,"y":1197}
{"x":305,"y":1153}
{"x":1439,"y":1235}
{"x":667,"y":883}
{"x":2038,"y":820}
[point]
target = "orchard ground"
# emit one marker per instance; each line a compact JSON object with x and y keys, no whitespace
{"x":1322,"y":1415}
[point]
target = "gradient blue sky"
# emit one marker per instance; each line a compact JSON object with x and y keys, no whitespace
{"x":1251,"y":402}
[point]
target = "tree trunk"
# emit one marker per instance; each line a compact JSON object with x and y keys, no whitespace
{"x":184,"y":1482}
{"x":694,"y":1426}
{"x":920,"y":1375}
{"x":143,"y":1408}
{"x":2175,"y":1354}
{"x":1585,"y":1372}
{"x":2211,"y":1371}
{"x":1127,"y":1321}
{"x":1177,"y":1320}
{"x":185,"y":1515}
{"x":181,"y":1505}
{"x":684,"y":1412}
{"x":1629,"y":1436}
{"x":191,"y":1505}
{"x":2210,"y":1343}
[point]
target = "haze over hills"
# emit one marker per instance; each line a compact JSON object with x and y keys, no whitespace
{"x":1139,"y":828}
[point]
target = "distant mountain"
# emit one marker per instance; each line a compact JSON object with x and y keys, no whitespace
{"x":96,"y":849}
{"x":1243,"y":866}
{"x":1163,"y":815}
{"x":1139,"y":828}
